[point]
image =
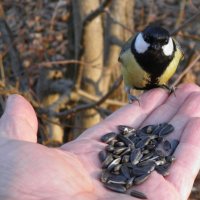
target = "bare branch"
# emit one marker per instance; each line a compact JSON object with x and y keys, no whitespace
{"x":186,"y":23}
{"x":192,"y":64}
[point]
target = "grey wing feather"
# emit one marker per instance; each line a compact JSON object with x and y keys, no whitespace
{"x":126,"y":46}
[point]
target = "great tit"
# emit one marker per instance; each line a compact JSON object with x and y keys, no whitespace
{"x":149,"y":59}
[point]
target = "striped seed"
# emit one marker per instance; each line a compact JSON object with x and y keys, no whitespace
{"x":108,"y":137}
{"x":137,"y":194}
{"x":115,"y":187}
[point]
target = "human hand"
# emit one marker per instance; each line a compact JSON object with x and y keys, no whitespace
{"x":30,"y":171}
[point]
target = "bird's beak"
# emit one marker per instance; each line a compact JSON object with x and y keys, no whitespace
{"x":156,"y":46}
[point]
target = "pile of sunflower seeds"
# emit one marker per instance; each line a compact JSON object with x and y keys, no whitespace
{"x":131,"y":155}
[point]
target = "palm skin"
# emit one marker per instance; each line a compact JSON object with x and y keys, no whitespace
{"x":30,"y":171}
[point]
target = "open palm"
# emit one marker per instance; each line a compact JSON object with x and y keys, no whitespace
{"x":30,"y":171}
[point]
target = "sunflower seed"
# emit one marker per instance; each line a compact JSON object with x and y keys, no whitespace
{"x":137,"y":171}
{"x":110,"y":148}
{"x":125,"y":129}
{"x":140,"y":179}
{"x":115,"y":187}
{"x":113,"y":163}
{"x":104,"y":176}
{"x":138,"y":194}
{"x":129,"y":183}
{"x":163,"y":169}
{"x":125,"y":171}
{"x":119,"y":144}
{"x":143,"y":142}
{"x":117,"y":179}
{"x":174,"y":144}
{"x":135,"y":156}
{"x":117,"y":168}
{"x":124,"y":139}
{"x":170,"y":158}
{"x":147,"y":156}
{"x":107,"y":161}
{"x":108,"y":137}
{"x":167,"y":145}
{"x":102,"y":155}
{"x":125,"y":159}
{"x":166,"y":129}
{"x":119,"y":150}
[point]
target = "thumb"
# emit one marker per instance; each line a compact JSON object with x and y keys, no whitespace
{"x":19,"y":120}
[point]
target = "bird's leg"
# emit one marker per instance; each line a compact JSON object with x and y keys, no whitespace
{"x":131,"y":98}
{"x":170,"y":89}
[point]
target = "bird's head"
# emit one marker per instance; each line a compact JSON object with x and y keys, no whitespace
{"x":155,"y":39}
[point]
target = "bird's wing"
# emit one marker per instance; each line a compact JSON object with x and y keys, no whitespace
{"x":179,"y":47}
{"x":126,"y":46}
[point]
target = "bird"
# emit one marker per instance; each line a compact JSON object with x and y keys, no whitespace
{"x":149,"y":59}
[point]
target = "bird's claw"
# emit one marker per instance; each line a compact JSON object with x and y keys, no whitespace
{"x":132,"y":98}
{"x":170,"y":89}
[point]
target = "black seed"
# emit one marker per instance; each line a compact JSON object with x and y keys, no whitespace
{"x":124,"y":139}
{"x":129,"y":183}
{"x":110,"y":148}
{"x":143,"y":142}
{"x":119,"y":144}
{"x":107,"y":161}
{"x":125,"y":171}
{"x":137,"y":171}
{"x":140,"y":179}
{"x":104,"y":176}
{"x":135,"y":157}
{"x":117,"y":179}
{"x":102,"y":155}
{"x":127,"y":150}
{"x":125,"y":159}
{"x":160,"y":162}
{"x":148,"y":129}
{"x":134,"y":138}
{"x":159,"y":153}
{"x":167,"y":145}
{"x":115,"y":187}
{"x":170,"y":158}
{"x":174,"y":144}
{"x":108,"y":137}
{"x":119,"y":150}
{"x":147,"y":156}
{"x":163,"y":169}
{"x":166,"y":129}
{"x":156,"y":129}
{"x":113,"y":163}
{"x":117,"y":168}
{"x":138,"y":194}
{"x":125,"y":129}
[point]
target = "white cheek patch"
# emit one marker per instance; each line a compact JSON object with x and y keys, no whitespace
{"x":168,"y":48}
{"x":140,"y":45}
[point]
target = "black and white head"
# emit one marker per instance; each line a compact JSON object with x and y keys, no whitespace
{"x":154,"y":39}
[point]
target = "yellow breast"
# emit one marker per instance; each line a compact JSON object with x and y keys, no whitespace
{"x":171,"y":69}
{"x":133,"y":74}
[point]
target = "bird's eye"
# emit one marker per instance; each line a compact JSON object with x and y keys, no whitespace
{"x":166,"y":41}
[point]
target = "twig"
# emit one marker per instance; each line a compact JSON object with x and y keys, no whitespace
{"x":187,"y":70}
{"x":96,"y":12}
{"x":16,"y":63}
{"x":117,"y":22}
{"x":190,"y":20}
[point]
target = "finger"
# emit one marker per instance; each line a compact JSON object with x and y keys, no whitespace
{"x":187,"y":164}
{"x":167,"y":110}
{"x":19,"y":120}
{"x":131,"y":114}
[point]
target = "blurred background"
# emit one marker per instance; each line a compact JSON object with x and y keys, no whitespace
{"x":62,"y":55}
